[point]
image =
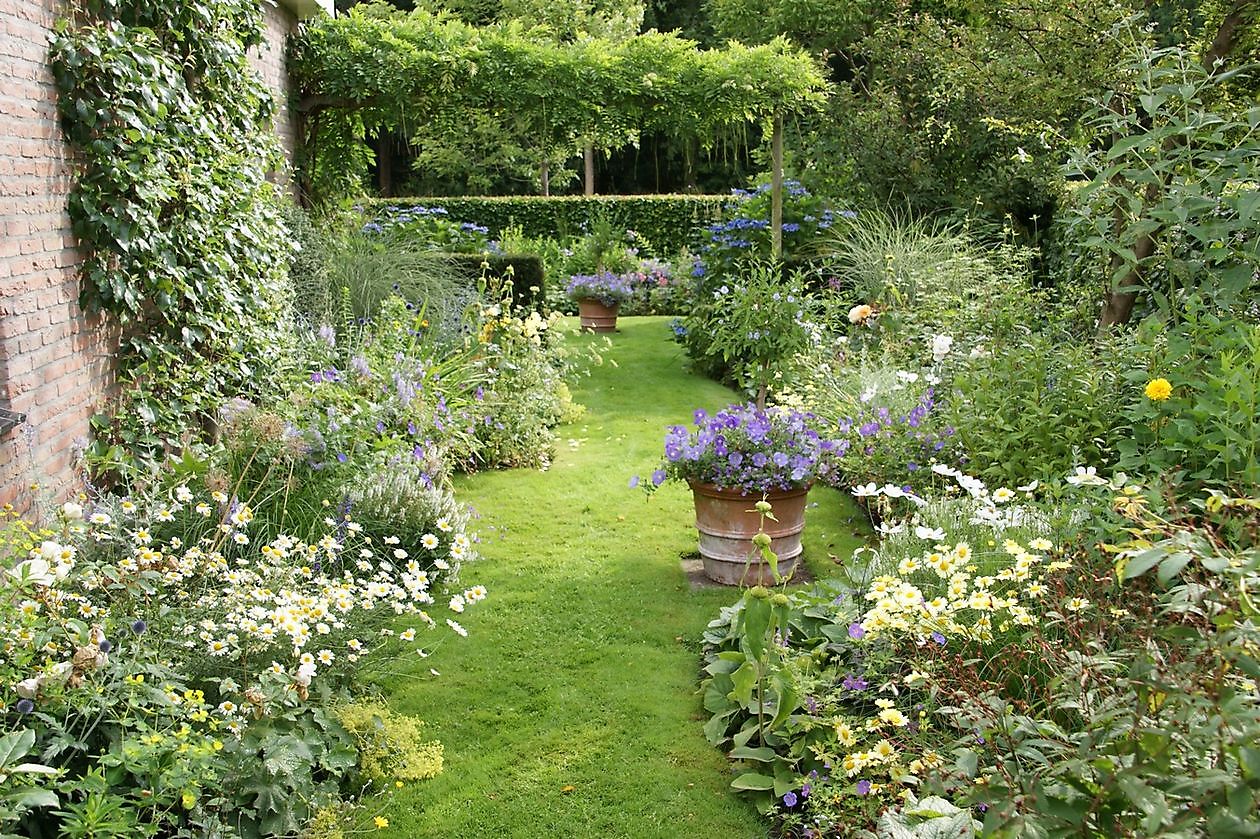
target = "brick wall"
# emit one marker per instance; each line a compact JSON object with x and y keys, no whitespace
{"x":56,"y":363}
{"x":269,"y":61}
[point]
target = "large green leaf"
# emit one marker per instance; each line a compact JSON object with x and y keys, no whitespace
{"x":753,"y":781}
{"x":16,"y":745}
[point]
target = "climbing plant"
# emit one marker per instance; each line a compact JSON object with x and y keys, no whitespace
{"x":394,"y":72}
{"x":183,"y":242}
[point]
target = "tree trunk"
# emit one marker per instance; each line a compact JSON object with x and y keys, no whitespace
{"x":545,"y":175}
{"x":689,"y":166}
{"x":385,"y":162}
{"x":1226,"y":35}
{"x":588,"y":160}
{"x":776,"y":189}
{"x":1120,"y":299}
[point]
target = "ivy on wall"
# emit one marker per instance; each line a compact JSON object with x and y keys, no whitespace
{"x":181,"y":230}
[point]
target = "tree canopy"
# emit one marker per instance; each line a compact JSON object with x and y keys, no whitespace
{"x":395,"y":71}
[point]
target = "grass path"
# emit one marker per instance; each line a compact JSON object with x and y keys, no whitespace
{"x":570,"y":710}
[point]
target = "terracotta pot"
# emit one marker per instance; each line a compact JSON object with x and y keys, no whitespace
{"x":596,"y":317}
{"x":728,"y":520}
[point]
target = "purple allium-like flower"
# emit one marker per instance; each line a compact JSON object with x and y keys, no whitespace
{"x":106,"y":645}
{"x":139,"y":627}
{"x":25,"y":706}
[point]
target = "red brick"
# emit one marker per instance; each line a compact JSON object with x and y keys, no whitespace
{"x":58,"y":360}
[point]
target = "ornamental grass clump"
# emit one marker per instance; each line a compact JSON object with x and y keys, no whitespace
{"x":750,"y":449}
{"x":606,"y":287}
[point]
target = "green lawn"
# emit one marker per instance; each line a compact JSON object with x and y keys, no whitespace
{"x":580,"y":669}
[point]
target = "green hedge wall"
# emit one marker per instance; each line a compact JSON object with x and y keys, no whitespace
{"x":668,"y":221}
{"x":528,"y":286}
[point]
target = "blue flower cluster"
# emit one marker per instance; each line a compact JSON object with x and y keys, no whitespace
{"x":888,"y":444}
{"x":432,"y":228}
{"x":606,"y":287}
{"x":751,"y":449}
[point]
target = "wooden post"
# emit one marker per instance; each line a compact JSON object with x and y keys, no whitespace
{"x":588,"y":158}
{"x":776,"y":189}
{"x":546,"y":177}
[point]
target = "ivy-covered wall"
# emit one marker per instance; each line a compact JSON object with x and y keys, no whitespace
{"x":57,"y":363}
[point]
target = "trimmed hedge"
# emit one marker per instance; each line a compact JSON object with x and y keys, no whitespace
{"x":528,"y":285}
{"x":668,"y":222}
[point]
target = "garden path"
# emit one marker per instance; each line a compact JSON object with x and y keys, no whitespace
{"x":570,"y":710}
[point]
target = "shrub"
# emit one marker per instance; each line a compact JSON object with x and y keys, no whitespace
{"x":750,"y":328}
{"x":1033,"y":406}
{"x":744,"y":231}
{"x":1203,"y":429}
{"x":158,"y":660}
{"x":428,"y":227}
{"x":390,"y":746}
{"x":994,"y":662}
{"x":668,"y":221}
{"x":659,"y":289}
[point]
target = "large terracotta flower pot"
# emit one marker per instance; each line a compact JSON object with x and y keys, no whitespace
{"x":728,"y":520}
{"x":596,"y":317}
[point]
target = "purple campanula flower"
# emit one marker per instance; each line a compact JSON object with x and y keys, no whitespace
{"x":863,"y":787}
{"x":658,"y":477}
{"x":856,"y":683}
{"x":789,"y":799}
{"x":634,"y":481}
{"x":938,"y":638}
{"x":856,"y":632}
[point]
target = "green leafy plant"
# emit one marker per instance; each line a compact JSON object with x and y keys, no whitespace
{"x":1203,"y":432}
{"x":752,"y":325}
{"x":1036,"y":406}
{"x":391,"y":747}
{"x":183,"y":239}
{"x":1169,"y":204}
